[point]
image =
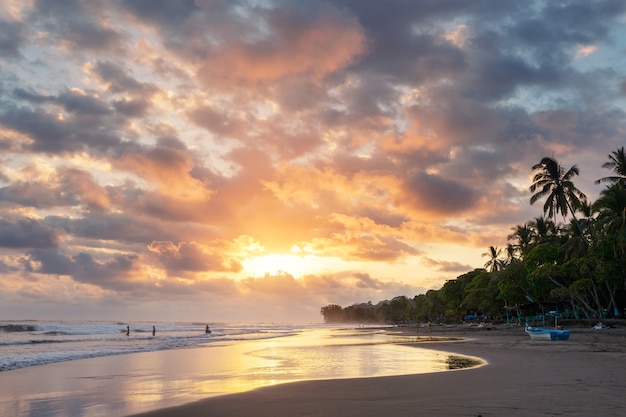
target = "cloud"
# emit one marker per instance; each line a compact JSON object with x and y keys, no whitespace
{"x":360,"y":246}
{"x":296,"y":43}
{"x":192,"y":256}
{"x":217,"y":121}
{"x":63,"y":187}
{"x":167,"y":12}
{"x":78,"y":24}
{"x":12,"y":38}
{"x":52,"y":134}
{"x":447,"y":266}
{"x":150,"y":148}
{"x":118,"y":80}
{"x":437,"y":195}
{"x":121,"y":272}
{"x":27,"y":233}
{"x":78,"y":102}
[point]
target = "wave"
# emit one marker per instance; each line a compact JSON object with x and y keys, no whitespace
{"x":18,"y":328}
{"x":52,"y":341}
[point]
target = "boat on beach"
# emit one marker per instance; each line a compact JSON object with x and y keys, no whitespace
{"x":538,"y":333}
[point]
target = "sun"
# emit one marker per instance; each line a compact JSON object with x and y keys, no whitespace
{"x":274,"y":264}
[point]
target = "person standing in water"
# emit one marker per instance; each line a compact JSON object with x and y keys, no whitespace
{"x":127,"y":330}
{"x":153,"y":330}
{"x":207,"y":330}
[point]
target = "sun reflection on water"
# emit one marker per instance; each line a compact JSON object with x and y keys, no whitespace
{"x":129,"y":384}
{"x":319,"y":354}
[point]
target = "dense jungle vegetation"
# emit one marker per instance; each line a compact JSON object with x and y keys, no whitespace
{"x":575,"y":269}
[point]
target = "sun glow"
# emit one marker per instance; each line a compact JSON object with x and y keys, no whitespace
{"x":274,"y":264}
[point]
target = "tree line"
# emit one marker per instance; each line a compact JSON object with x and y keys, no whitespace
{"x":576,"y":269}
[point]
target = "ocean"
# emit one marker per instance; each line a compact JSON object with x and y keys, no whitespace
{"x":28,"y":343}
{"x":93,"y":369}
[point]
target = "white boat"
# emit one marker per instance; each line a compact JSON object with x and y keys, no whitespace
{"x":538,"y":333}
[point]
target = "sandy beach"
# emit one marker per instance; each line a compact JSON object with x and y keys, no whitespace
{"x":584,"y":376}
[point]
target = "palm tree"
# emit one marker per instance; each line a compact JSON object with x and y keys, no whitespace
{"x":575,"y":244}
{"x":611,"y":221}
{"x":544,"y":230}
{"x":617,"y":164}
{"x":494,"y":264}
{"x":552,"y":181}
{"x":611,"y":209}
{"x":524,"y":236}
{"x":511,"y":251}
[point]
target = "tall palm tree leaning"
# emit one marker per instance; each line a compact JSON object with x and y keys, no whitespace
{"x":617,"y":164}
{"x":553,"y":182}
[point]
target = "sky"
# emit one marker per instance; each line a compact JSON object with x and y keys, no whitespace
{"x":252,"y":160}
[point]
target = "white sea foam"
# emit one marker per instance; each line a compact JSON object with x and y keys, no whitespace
{"x":29,"y":343}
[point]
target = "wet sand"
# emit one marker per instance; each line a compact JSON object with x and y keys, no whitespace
{"x":584,"y":376}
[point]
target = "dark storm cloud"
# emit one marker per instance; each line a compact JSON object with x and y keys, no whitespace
{"x":26,"y":233}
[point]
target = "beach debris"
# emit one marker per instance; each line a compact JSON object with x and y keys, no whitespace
{"x":460,"y":362}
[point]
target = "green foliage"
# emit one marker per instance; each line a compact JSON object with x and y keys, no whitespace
{"x":580,"y":267}
{"x":332,"y":313}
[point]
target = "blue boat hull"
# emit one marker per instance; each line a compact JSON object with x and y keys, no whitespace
{"x":537,"y":333}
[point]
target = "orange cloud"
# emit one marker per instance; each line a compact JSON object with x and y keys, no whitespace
{"x":194,"y":257}
{"x":316,"y":48}
{"x":165,"y":167}
{"x":84,"y":186}
{"x":358,"y":246}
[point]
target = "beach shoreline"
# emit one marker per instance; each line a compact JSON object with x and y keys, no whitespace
{"x":584,"y":376}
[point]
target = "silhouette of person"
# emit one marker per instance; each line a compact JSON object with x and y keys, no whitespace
{"x":207,"y":330}
{"x":153,"y":330}
{"x":127,"y":330}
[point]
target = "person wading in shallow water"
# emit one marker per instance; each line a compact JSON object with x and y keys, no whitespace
{"x":207,"y":330}
{"x":153,"y":330}
{"x":127,"y":330}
